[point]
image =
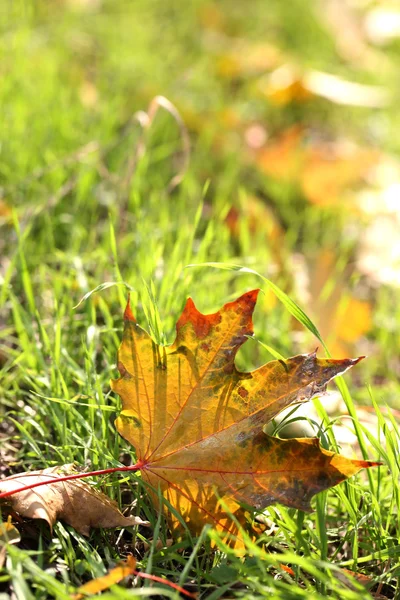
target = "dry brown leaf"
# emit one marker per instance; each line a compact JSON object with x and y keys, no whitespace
{"x":75,"y":502}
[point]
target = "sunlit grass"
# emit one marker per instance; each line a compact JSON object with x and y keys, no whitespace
{"x":75,"y":231}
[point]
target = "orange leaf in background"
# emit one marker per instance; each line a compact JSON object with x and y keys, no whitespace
{"x":5,"y":212}
{"x":331,"y":170}
{"x":197,"y":422}
{"x":283,"y":157}
{"x":324,"y":171}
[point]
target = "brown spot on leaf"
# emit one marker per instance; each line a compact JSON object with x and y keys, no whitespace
{"x":243,"y":393}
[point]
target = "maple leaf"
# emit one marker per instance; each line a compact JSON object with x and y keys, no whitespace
{"x":197,"y":422}
{"x":76,"y":502}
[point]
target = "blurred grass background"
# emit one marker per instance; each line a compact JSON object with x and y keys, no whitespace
{"x":294,"y":171}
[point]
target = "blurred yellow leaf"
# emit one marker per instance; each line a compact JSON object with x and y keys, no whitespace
{"x":340,"y":91}
{"x":212,"y":17}
{"x":288,"y":83}
{"x":330,"y":171}
{"x":285,"y":85}
{"x":353,"y":320}
{"x":88,"y":94}
{"x":244,"y":59}
{"x":8,"y":533}
{"x":341,"y":318}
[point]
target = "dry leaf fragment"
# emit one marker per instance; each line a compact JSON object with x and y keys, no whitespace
{"x":75,"y":502}
{"x":197,"y":422}
{"x":124,"y":569}
{"x":346,"y":576}
{"x":99,"y":584}
{"x":8,"y":533}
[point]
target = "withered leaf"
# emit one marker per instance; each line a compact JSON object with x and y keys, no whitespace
{"x":197,"y":422}
{"x":75,"y":502}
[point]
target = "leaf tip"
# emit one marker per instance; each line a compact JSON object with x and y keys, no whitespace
{"x":253,"y":294}
{"x":128,"y":314}
{"x":367,"y":464}
{"x":358,"y":359}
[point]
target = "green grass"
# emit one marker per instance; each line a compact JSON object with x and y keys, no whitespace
{"x":80,"y":224}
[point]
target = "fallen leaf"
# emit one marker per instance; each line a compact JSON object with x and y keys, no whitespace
{"x":341,"y":317}
{"x":288,"y":83}
{"x":99,"y":584}
{"x":124,"y":569}
{"x":197,"y":422}
{"x":242,"y":60}
{"x":326,"y":172}
{"x":75,"y":502}
{"x":346,"y":576}
{"x":283,"y":157}
{"x":330,"y":171}
{"x":285,"y":85}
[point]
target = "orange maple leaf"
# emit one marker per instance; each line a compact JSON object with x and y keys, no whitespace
{"x":197,"y":422}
